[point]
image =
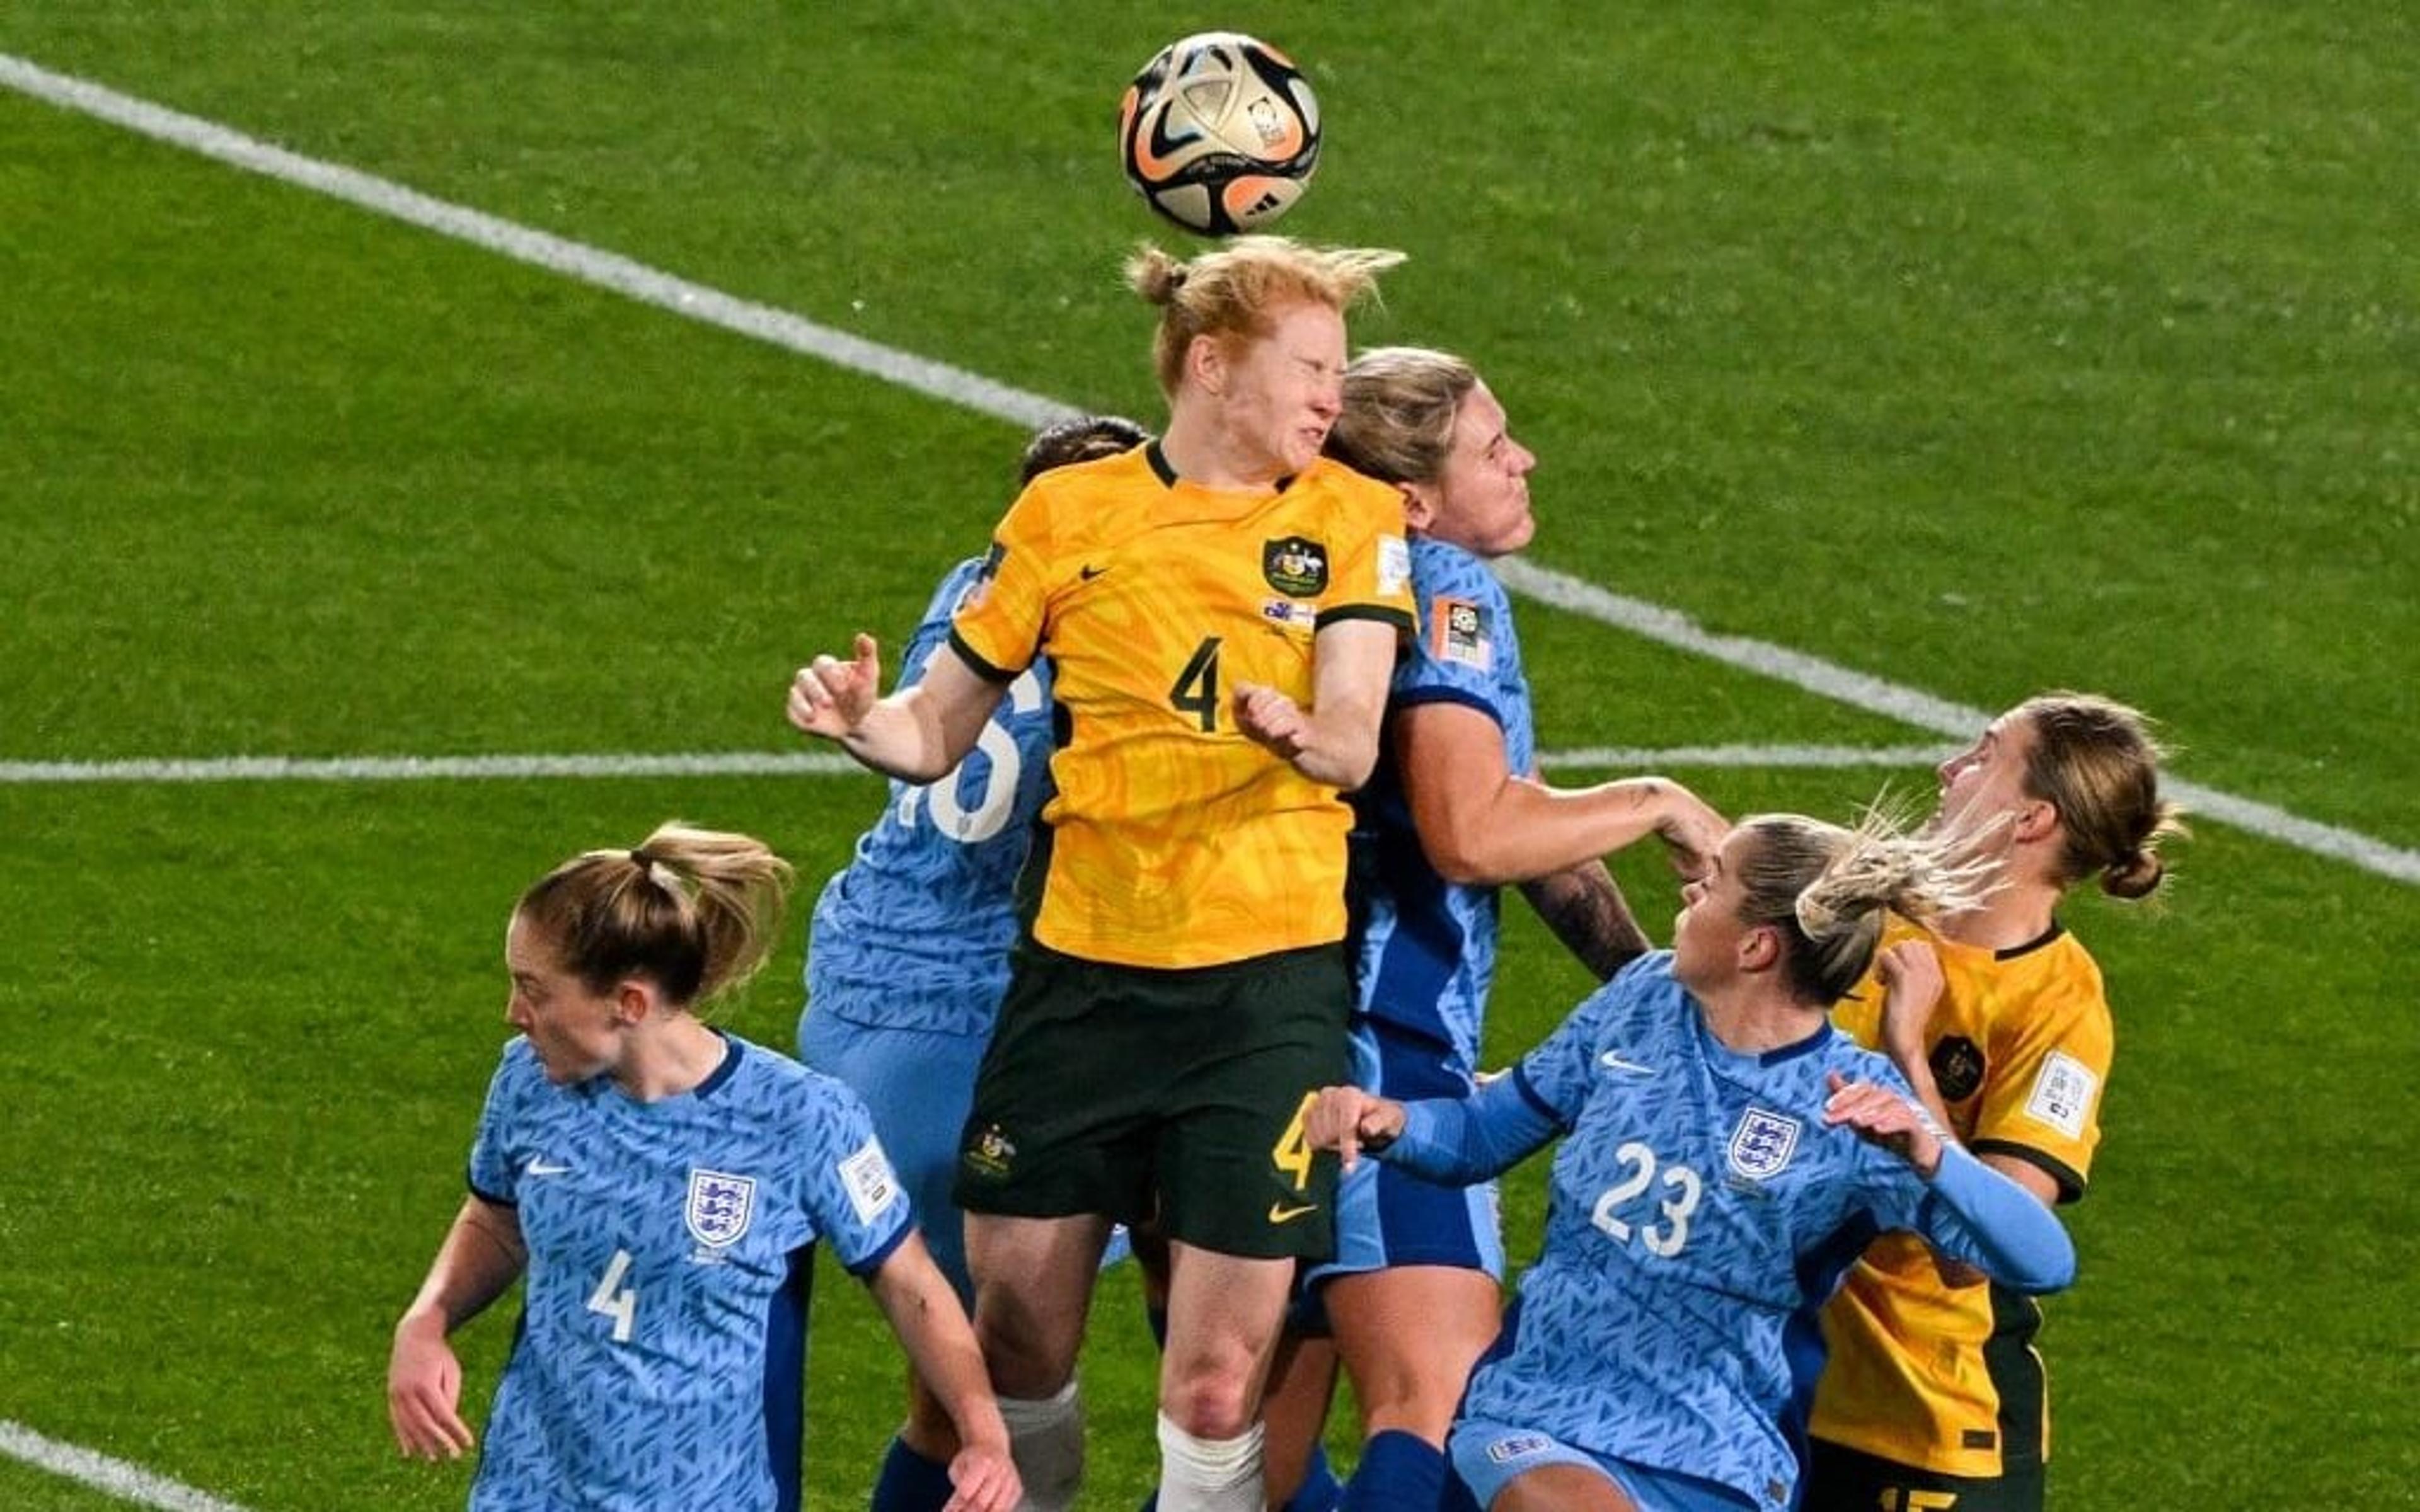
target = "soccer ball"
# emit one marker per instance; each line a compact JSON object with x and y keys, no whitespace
{"x":1219,"y":133}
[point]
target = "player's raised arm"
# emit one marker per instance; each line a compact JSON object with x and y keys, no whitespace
{"x":918,"y":733}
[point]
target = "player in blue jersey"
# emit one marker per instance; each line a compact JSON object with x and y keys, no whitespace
{"x":661,"y":1186}
{"x":1728,"y":1154}
{"x":1453,"y":812}
{"x":907,"y":954}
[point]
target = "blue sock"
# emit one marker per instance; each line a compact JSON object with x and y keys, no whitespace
{"x":1399,"y":1472}
{"x":1320,"y":1489}
{"x":910,"y":1482}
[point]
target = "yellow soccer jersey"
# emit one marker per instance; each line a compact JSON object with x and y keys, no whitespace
{"x":1945,"y":1378}
{"x":1173,"y":838}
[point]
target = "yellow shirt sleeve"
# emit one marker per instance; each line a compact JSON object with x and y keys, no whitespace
{"x":1372,"y":576}
{"x":2051,"y":1063}
{"x":998,"y":628}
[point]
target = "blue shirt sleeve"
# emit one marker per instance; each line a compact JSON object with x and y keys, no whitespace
{"x":852,"y":1193}
{"x":1462,"y":632}
{"x":1461,"y":1140}
{"x":1976,"y":1215}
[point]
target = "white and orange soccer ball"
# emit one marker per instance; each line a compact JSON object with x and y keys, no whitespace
{"x":1219,"y":133}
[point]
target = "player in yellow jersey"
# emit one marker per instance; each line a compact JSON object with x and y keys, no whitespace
{"x":1933,"y":1399}
{"x":1221,"y":611}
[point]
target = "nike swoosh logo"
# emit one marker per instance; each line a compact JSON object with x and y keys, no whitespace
{"x":1088,"y":574}
{"x":1612,"y":1060}
{"x":1281,"y":1213}
{"x":540,"y":1166}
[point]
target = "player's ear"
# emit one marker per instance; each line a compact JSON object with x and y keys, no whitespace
{"x":2033,"y":819}
{"x":1759,"y":949}
{"x":1420,"y":505}
{"x":634,"y":1001}
{"x":1205,"y":363}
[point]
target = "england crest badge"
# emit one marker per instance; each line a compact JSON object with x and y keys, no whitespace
{"x":719,"y":1206}
{"x":1763,"y":1144}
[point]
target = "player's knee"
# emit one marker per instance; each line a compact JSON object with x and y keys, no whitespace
{"x":1210,"y":1402}
{"x":1026,"y":1352}
{"x":1412,"y":1394}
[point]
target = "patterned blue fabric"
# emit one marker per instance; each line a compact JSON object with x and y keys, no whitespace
{"x":660,"y":1356}
{"x":1701,"y":1213}
{"x":1426,"y":947}
{"x":1386,"y":1217}
{"x":915,"y":932}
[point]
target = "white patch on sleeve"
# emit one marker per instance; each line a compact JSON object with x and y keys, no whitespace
{"x":2063,"y":1092}
{"x":868,"y":1179}
{"x":1394,"y":564}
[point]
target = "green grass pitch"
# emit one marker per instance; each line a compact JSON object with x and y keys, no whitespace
{"x":1979,"y":350}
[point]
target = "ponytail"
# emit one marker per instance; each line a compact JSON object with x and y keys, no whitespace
{"x":1826,"y":889}
{"x":691,"y":910}
{"x":2095,"y":761}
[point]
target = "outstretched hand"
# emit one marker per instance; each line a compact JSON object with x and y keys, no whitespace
{"x":424,"y":1388}
{"x":1346,"y":1119}
{"x":831,"y":698}
{"x":1882,"y":1116}
{"x":982,"y":1479}
{"x":1692,"y":832}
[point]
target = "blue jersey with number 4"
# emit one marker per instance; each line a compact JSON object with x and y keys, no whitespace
{"x":914,"y":934}
{"x":661,"y":1352}
{"x":1700,"y":1212}
{"x":1426,"y":947}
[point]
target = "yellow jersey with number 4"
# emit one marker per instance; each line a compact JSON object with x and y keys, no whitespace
{"x":1941,"y":1376}
{"x":1173,"y":838}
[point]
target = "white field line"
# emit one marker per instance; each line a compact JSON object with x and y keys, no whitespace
{"x":610,"y":271}
{"x":1958,"y":721}
{"x":805,"y":763}
{"x":522,"y":243}
{"x":112,"y":1477}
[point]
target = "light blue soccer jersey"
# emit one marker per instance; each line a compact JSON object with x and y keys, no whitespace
{"x":660,"y":1357}
{"x":1426,"y":947}
{"x":1700,"y":1212}
{"x":915,"y":932}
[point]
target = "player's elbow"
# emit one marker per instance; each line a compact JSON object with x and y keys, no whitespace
{"x":1464,"y":856}
{"x":2040,"y":1273}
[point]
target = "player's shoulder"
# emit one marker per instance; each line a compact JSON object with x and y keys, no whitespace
{"x":1079,"y":490}
{"x":1084,"y":506}
{"x":2047,"y":988}
{"x":1441,"y":568}
{"x":1339,"y":487}
{"x":787,"y":1089}
{"x":951,"y":591}
{"x":1841,"y":1052}
{"x":1642,"y":995}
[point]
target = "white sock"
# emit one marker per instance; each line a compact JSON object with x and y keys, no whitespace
{"x":1208,"y":1474}
{"x":1046,"y":1438}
